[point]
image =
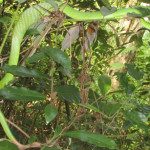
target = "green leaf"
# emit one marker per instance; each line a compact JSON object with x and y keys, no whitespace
{"x":6,"y":145}
{"x":69,"y":92}
{"x":53,"y":3}
{"x":92,"y":138}
{"x":133,"y":72}
{"x":104,"y":84}
{"x":137,"y":118}
{"x":36,"y":57}
{"x":117,"y":65}
{"x":59,"y":56}
{"x":123,"y":79}
{"x":50,"y":113}
{"x":130,"y":89}
{"x":5,"y":20}
{"x":111,"y":109}
{"x":58,"y":130}
{"x":32,"y":139}
{"x":24,"y":72}
{"x":21,"y":94}
{"x":32,"y":32}
{"x":90,"y":107}
{"x":21,"y":1}
{"x":105,"y":11}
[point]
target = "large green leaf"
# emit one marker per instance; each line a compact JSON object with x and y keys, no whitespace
{"x":36,"y":57}
{"x":50,"y":113}
{"x":69,"y":92}
{"x":59,"y":56}
{"x":24,"y":72}
{"x":6,"y":145}
{"x":111,"y":109}
{"x":21,"y":94}
{"x":133,"y":72}
{"x":136,"y":118}
{"x":92,"y":138}
{"x":104,"y":84}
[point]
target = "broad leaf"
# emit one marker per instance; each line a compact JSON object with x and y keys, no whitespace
{"x":111,"y":109}
{"x":92,"y":138}
{"x":59,"y":56}
{"x":24,"y":72}
{"x":104,"y":84}
{"x":21,"y":94}
{"x":133,"y":72}
{"x":90,"y":107}
{"x":58,"y":130}
{"x":36,"y":57}
{"x":69,"y":92}
{"x":5,"y":20}
{"x":50,"y":113}
{"x":137,"y":118}
{"x":50,"y":148}
{"x":130,"y":89}
{"x":6,"y":145}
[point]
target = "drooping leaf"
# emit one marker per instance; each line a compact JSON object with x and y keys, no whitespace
{"x":65,"y":71}
{"x":50,"y":113}
{"x":133,"y":72}
{"x":59,"y":56}
{"x":137,"y":118}
{"x":71,"y":36}
{"x":6,"y":145}
{"x":21,"y":94}
{"x":90,"y":107}
{"x":69,"y":92}
{"x":36,"y":57}
{"x":24,"y":72}
{"x":111,"y":109}
{"x":92,"y":138}
{"x":104,"y":84}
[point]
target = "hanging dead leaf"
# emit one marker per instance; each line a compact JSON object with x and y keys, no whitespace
{"x":71,"y":35}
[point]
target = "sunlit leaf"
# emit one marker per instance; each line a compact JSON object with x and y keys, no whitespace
{"x":50,"y":113}
{"x":69,"y":92}
{"x":21,"y":94}
{"x":53,"y":3}
{"x":24,"y":72}
{"x":6,"y":145}
{"x":104,"y":84}
{"x":59,"y":56}
{"x":117,"y":65}
{"x":92,"y":138}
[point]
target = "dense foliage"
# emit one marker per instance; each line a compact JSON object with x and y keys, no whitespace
{"x":63,"y":94}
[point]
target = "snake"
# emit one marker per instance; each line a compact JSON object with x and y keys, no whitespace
{"x":31,"y":15}
{"x":34,"y":13}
